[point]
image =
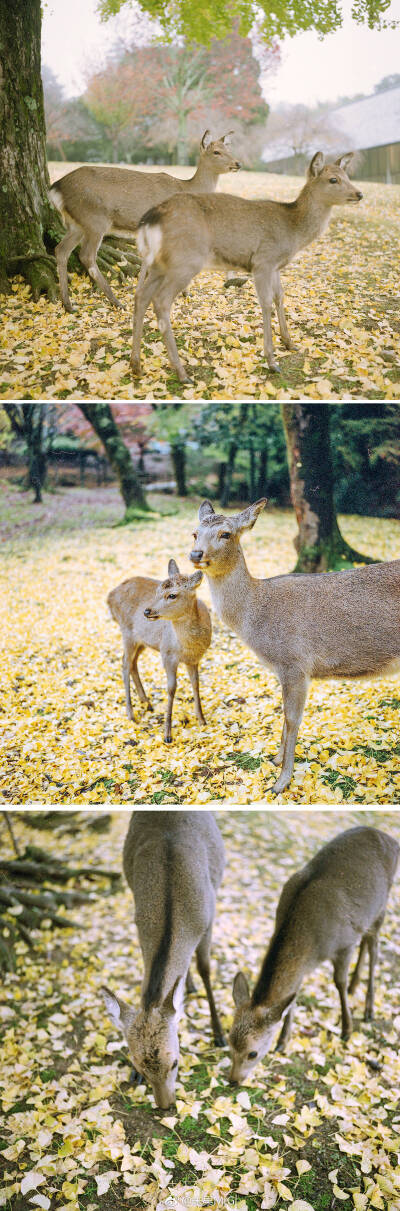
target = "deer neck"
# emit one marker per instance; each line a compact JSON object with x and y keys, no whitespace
{"x":205,"y":178}
{"x":285,"y":964}
{"x":189,"y":630}
{"x":310,"y":214}
{"x":231,"y":593}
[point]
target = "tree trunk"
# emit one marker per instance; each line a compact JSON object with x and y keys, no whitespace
{"x":221,"y":479}
{"x":101,"y":418}
{"x":226,"y":492}
{"x":252,"y":472}
{"x":178,"y":456}
{"x":319,"y":543}
{"x":29,"y":225}
{"x":27,"y":421}
{"x":262,"y":472}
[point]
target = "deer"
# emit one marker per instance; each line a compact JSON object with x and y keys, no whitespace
{"x":96,"y":200}
{"x":180,"y":236}
{"x":342,"y":624}
{"x":167,"y":616}
{"x":335,"y":902}
{"x":173,"y":863}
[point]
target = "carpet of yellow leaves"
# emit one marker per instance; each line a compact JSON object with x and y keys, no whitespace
{"x":310,"y":1130}
{"x":342,"y":301}
{"x":66,"y":737}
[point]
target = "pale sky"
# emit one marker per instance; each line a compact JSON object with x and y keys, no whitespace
{"x":75,"y":42}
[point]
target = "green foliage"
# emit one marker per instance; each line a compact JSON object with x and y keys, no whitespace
{"x":201,"y":23}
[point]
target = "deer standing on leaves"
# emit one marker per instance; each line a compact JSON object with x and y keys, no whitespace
{"x":181,"y":236}
{"x":97,"y":200}
{"x":335,"y":902}
{"x":173,"y":862}
{"x":331,"y":624}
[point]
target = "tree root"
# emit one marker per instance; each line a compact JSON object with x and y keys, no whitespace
{"x":39,"y":271}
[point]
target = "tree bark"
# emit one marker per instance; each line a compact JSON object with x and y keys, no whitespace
{"x":101,"y":418}
{"x":319,"y":543}
{"x":27,"y":421}
{"x":262,"y":472}
{"x":29,"y":225}
{"x":178,"y":456}
{"x":226,"y":491}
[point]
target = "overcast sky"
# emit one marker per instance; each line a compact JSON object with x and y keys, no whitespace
{"x":75,"y":41}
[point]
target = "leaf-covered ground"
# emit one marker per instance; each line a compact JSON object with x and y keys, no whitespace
{"x":312,"y":1130}
{"x":342,"y":303}
{"x":66,"y":737}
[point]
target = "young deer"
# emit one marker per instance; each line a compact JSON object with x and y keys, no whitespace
{"x":167,"y":616}
{"x":96,"y":200}
{"x":336,"y":624}
{"x":336,"y":901}
{"x":179,"y":237}
{"x":173,"y":862}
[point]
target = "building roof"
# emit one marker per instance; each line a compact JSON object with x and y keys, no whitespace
{"x":371,"y":122}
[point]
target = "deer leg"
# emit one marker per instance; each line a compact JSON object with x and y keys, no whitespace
{"x":189,"y":983}
{"x":143,"y":295}
{"x":372,"y":942}
{"x":203,"y":967}
{"x":277,"y":760}
{"x":294,"y":697}
{"x":62,"y":252}
{"x":286,"y":1029}
{"x":87,"y":254}
{"x":283,"y":328}
{"x":162,"y":302}
{"x":355,"y":978}
{"x":194,"y":678}
{"x":263,"y":281}
{"x":170,"y":669}
{"x":135,"y":676}
{"x":340,"y":975}
{"x":127,"y":683}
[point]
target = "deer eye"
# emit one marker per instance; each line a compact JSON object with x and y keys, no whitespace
{"x":252,"y":1055}
{"x":225,"y":534}
{"x":174,"y":1065}
{"x":333,"y":180}
{"x":218,"y":153}
{"x":172,"y":596}
{"x":195,"y":534}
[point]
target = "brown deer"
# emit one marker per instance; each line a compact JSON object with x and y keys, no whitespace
{"x":335,"y":902}
{"x":182,"y":235}
{"x":95,"y":200}
{"x":335,"y":624}
{"x":167,"y":616}
{"x":173,"y":862}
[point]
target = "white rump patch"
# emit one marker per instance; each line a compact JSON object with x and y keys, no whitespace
{"x":149,"y":241}
{"x":57,"y":199}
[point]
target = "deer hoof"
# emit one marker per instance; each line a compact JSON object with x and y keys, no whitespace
{"x":168,"y":739}
{"x":219,"y":1040}
{"x":273,"y":367}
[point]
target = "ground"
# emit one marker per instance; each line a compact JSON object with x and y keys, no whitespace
{"x":66,"y":738}
{"x":311,"y":1130}
{"x":342,"y":302}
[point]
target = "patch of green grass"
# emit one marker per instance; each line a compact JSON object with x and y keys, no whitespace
{"x":244,"y":760}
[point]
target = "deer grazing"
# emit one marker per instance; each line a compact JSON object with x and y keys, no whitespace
{"x":173,"y":862}
{"x":95,"y":201}
{"x":336,"y":901}
{"x":167,"y":616}
{"x":182,"y":235}
{"x":331,"y":625}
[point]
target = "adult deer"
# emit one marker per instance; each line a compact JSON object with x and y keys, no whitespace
{"x":335,"y":902}
{"x":95,"y":200}
{"x":182,"y":235}
{"x":173,"y":862}
{"x":335,"y":624}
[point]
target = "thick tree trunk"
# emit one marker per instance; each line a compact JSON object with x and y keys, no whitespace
{"x":178,"y":456}
{"x":101,"y":418}
{"x":319,"y":543}
{"x":27,"y":421}
{"x":226,"y":491}
{"x":29,"y":226}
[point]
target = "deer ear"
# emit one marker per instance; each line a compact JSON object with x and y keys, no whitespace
{"x":194,"y":580}
{"x":240,"y":990}
{"x":346,"y":160}
{"x":206,"y":140}
{"x":173,"y":1002}
{"x":205,"y":509}
{"x":316,"y":165}
{"x":279,"y":1011}
{"x":173,"y":569}
{"x":121,"y":1014}
{"x":227,"y":138}
{"x":247,"y":519}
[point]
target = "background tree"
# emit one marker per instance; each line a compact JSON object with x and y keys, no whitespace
{"x":33,"y":424}
{"x":319,"y":543}
{"x":102,"y":420}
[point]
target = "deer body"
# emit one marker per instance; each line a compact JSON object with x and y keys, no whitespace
{"x":96,"y":200}
{"x":182,"y":235}
{"x":167,"y":616}
{"x":335,"y":902}
{"x":328,"y":625}
{"x":173,"y":862}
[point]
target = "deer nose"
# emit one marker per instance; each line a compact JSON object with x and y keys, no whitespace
{"x":147,"y":613}
{"x":196,"y":556}
{"x":359,"y":194}
{"x":232,"y":1079}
